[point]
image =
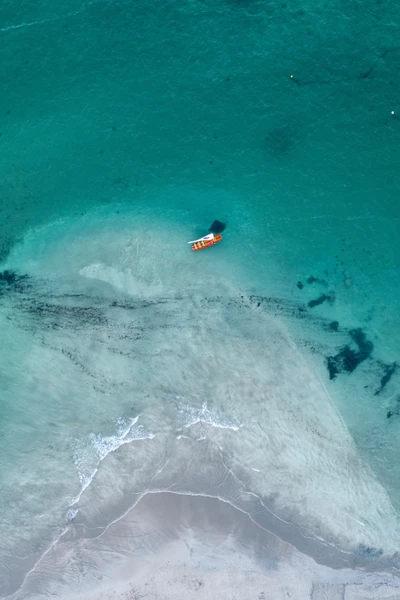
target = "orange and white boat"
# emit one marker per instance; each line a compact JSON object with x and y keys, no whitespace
{"x":206,"y":241}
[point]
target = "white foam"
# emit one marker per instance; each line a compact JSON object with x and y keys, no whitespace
{"x":89,"y":452}
{"x":192,"y":415}
{"x":71,"y":514}
{"x":45,"y":21}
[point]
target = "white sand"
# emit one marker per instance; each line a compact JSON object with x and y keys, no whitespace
{"x":172,"y":547}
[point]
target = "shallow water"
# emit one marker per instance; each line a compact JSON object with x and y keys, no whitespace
{"x":130,"y":364}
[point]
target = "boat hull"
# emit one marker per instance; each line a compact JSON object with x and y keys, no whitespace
{"x":201,"y":245}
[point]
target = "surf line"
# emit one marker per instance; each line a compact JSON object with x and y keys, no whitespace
{"x":49,"y":20}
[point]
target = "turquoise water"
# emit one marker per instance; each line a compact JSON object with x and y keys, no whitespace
{"x":126,"y":129}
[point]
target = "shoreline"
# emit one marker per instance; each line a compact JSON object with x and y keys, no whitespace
{"x":191,"y":547}
{"x":279,"y":407}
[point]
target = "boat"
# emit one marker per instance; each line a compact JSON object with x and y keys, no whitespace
{"x":206,"y":241}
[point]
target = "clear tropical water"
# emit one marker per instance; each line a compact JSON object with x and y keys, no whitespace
{"x":130,"y":364}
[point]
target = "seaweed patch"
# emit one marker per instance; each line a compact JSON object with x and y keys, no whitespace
{"x":313,"y":279}
{"x":62,"y":316}
{"x":282,"y":140}
{"x":11,"y":280}
{"x":9,"y":277}
{"x":370,"y":551}
{"x":394,"y":411}
{"x":389,"y":371}
{"x":281,"y":307}
{"x":390,"y":413}
{"x":347,"y":359}
{"x":320,"y":300}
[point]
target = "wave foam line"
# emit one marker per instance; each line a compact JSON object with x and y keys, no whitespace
{"x":88,"y":458}
{"x":146,"y":492}
{"x":102,"y":446}
{"x":44,"y":21}
{"x":143,"y":493}
{"x":193,"y":415}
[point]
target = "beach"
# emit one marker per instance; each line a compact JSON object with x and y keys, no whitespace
{"x":214,"y":424}
{"x":173,"y":546}
{"x":171,"y":413}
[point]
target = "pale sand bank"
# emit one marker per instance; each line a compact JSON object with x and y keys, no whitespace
{"x":183,"y":547}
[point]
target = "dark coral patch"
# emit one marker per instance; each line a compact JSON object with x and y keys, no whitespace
{"x":8,"y":277}
{"x":320,"y":300}
{"x":348,"y":359}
